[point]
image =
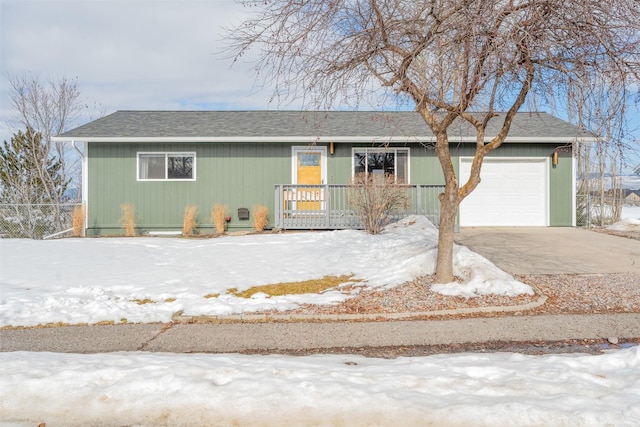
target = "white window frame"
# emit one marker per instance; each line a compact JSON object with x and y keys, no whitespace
{"x":166,"y":155}
{"x":395,"y":150}
{"x":311,"y":149}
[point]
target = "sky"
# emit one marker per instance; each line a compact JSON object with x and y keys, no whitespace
{"x":136,"y":55}
{"x":133,"y":54}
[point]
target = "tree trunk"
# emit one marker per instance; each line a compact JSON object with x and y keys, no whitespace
{"x":446,"y":229}
{"x":448,"y":210}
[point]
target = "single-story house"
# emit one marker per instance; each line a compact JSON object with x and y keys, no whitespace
{"x":632,"y":197}
{"x":298,"y":163}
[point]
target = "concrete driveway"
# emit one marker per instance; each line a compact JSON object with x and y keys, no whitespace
{"x":552,"y":250}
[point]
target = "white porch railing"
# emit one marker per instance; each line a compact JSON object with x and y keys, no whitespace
{"x":327,"y":206}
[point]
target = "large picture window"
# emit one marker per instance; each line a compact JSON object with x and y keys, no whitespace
{"x":166,"y":166}
{"x":381,"y":162}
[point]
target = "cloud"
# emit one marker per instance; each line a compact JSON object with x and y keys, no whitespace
{"x":138,"y":54}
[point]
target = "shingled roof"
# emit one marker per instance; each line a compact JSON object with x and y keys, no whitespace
{"x":291,"y":125}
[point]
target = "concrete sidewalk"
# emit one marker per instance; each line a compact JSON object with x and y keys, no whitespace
{"x":552,"y":250}
{"x":235,"y":337}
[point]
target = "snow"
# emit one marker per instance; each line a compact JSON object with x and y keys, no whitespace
{"x":473,"y":389}
{"x":93,"y":280}
{"x":631,"y":212}
{"x":630,"y":219}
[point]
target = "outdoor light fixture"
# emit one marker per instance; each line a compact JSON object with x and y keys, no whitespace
{"x":331,"y":148}
{"x":556,"y":153}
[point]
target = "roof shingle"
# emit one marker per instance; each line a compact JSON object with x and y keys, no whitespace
{"x":269,"y":123}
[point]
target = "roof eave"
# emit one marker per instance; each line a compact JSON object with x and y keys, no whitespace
{"x":312,"y":139}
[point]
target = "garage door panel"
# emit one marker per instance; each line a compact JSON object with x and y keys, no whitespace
{"x":512,"y":192}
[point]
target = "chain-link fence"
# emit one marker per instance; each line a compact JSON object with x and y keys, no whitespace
{"x":37,"y":221}
{"x":594,"y":211}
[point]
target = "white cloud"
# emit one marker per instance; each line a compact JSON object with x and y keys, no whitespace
{"x":139,"y":54}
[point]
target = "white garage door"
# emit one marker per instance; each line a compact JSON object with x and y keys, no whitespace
{"x":512,"y":192}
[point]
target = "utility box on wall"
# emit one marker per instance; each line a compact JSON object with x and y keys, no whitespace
{"x":243,"y":213}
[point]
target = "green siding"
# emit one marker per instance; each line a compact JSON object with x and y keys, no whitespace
{"x":561,"y":192}
{"x":339,"y":164}
{"x":238,"y":175}
{"x":424,"y":166}
{"x":244,"y":174}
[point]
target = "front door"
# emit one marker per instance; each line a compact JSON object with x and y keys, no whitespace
{"x":309,"y":176}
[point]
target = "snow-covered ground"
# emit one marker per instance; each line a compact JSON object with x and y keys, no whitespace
{"x":142,"y":389}
{"x":91,"y":280}
{"x":629,"y":219}
{"x":631,"y":212}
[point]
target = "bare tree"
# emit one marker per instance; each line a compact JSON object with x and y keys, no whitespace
{"x":455,"y":60}
{"x":48,"y":109}
{"x":601,"y":108}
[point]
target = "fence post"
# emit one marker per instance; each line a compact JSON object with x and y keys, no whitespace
{"x":279,"y":206}
{"x":327,"y":204}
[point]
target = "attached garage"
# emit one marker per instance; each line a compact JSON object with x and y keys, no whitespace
{"x":512,"y":192}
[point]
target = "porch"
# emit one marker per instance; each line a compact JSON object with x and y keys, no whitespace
{"x":327,"y":206}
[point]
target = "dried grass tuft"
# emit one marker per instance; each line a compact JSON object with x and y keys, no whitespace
{"x":218,"y":217}
{"x":260,"y":217}
{"x":190,"y":223}
{"x":127,"y":221}
{"x":143,"y":301}
{"x":312,"y":286}
{"x":77,"y":221}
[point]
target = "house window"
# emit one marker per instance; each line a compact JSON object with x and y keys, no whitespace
{"x":381,"y":162}
{"x":166,"y":166}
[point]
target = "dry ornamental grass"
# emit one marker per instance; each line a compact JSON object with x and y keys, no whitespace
{"x":260,"y":217}
{"x":218,"y":215}
{"x":127,"y":221}
{"x":190,"y":223}
{"x":77,"y":221}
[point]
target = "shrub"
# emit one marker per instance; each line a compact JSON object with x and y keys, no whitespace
{"x":218,"y":217}
{"x":77,"y":220}
{"x":260,"y":217}
{"x":127,"y":221}
{"x":190,"y":224}
{"x":376,"y":199}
